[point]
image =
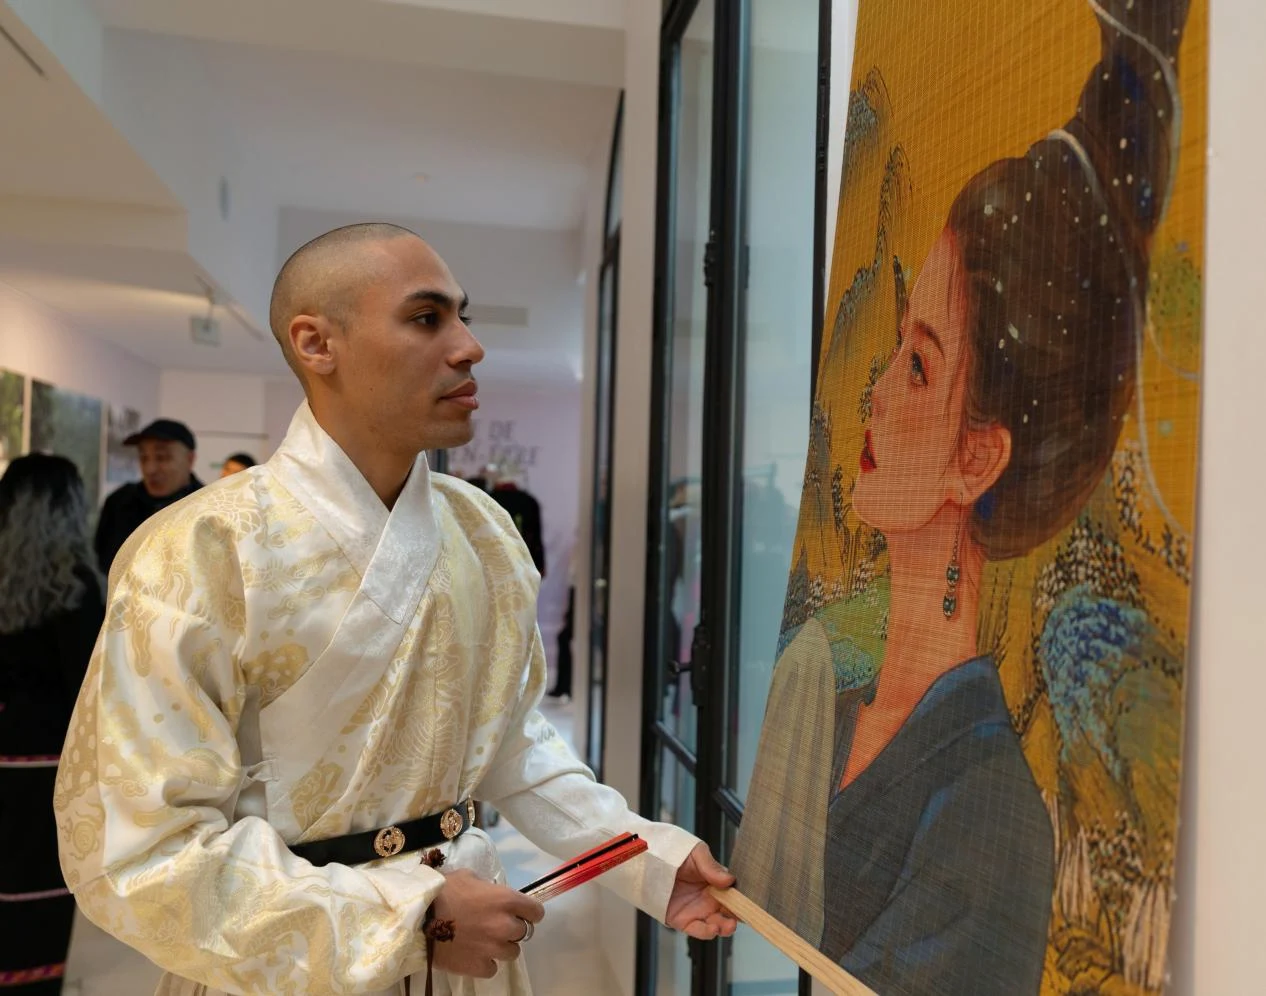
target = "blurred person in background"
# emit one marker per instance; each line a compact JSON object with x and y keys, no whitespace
{"x":236,"y":463}
{"x":51,"y":608}
{"x":167,"y":450}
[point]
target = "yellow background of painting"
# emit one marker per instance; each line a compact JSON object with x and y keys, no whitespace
{"x":970,"y":82}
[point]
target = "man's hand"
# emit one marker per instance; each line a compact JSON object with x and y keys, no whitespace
{"x":691,"y":908}
{"x":488,"y":923}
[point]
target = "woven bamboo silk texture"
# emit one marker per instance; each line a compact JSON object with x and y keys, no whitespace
{"x":968,"y":775}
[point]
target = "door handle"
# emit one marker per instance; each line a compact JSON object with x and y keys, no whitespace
{"x":676,"y":668}
{"x":700,"y":661}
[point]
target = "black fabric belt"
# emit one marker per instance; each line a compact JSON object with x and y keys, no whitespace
{"x":357,"y":848}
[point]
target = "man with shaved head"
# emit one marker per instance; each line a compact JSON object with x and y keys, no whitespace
{"x":313,"y":667}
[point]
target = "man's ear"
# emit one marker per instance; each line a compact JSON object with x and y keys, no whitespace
{"x":983,"y":455}
{"x":310,"y":343}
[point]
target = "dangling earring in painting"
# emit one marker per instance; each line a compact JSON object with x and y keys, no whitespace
{"x":952,"y":573}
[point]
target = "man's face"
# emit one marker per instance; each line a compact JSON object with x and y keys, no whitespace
{"x":166,"y":467}
{"x":404,"y":354}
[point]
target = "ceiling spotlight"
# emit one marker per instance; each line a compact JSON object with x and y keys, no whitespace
{"x":421,"y":177}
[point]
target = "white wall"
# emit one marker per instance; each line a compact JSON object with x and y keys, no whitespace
{"x":593,"y":240}
{"x":540,"y":430}
{"x":73,"y":33}
{"x":536,"y":269}
{"x":843,"y":36}
{"x":1216,"y":946}
{"x":281,"y":399}
{"x":159,"y":92}
{"x":39,"y":343}
{"x":632,"y":447}
{"x":226,"y":412}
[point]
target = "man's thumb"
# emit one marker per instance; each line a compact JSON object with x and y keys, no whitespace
{"x":713,"y":872}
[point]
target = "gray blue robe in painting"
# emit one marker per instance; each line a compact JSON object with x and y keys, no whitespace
{"x":940,"y":854}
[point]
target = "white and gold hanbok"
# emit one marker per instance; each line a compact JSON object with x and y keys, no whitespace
{"x":285,"y":660}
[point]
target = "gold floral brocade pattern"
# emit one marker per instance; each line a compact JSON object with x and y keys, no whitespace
{"x":243,"y":589}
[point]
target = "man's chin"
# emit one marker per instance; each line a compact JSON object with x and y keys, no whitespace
{"x":451,"y":436}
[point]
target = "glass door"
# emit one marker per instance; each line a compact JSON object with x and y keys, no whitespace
{"x":737,"y":315}
{"x":675,"y":621}
{"x":773,"y":297}
{"x":604,"y":424}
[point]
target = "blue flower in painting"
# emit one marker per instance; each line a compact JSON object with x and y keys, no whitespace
{"x":854,"y":667}
{"x":1083,"y":648}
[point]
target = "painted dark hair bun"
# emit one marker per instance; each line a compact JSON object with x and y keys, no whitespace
{"x":1054,"y":254}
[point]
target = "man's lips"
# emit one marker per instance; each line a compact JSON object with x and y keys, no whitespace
{"x":465,"y":396}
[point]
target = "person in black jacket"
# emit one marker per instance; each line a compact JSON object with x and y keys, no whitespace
{"x":51,"y":608}
{"x":167,"y":449}
{"x":524,"y":509}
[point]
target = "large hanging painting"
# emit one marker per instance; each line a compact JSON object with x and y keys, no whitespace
{"x":69,"y":425}
{"x":968,"y":775}
{"x":121,"y":461}
{"x":12,"y":414}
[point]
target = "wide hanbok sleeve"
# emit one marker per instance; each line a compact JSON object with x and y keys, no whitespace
{"x":553,"y":800}
{"x":146,"y":791}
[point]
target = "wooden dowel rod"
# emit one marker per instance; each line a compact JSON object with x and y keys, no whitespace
{"x":791,"y":944}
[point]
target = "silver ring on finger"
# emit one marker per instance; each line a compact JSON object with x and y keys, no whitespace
{"x":529,"y":929}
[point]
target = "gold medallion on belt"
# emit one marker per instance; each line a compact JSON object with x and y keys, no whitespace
{"x":389,"y":842}
{"x":451,"y":824}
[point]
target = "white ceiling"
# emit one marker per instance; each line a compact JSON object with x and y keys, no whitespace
{"x":142,"y":300}
{"x":593,"y":13}
{"x":67,"y":150}
{"x":139,"y":299}
{"x":517,"y":40}
{"x":503,"y":104}
{"x":339,"y":133}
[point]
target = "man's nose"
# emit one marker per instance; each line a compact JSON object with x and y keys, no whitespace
{"x":470,"y":351}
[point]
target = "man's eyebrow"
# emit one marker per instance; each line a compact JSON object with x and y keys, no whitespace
{"x":437,"y":297}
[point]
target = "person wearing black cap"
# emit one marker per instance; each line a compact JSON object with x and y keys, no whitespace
{"x":166,"y":449}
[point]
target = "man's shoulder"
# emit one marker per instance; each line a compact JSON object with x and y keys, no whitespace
{"x":477,"y":515}
{"x":467,"y":501}
{"x":213,"y":515}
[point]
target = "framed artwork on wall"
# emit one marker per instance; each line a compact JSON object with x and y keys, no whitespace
{"x":12,"y":416}
{"x":69,"y":424}
{"x":120,"y":461}
{"x":968,"y":773}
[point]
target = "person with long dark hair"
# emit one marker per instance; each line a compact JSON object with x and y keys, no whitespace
{"x":51,"y":608}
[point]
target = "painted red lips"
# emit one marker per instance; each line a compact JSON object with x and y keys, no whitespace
{"x":867,"y":460}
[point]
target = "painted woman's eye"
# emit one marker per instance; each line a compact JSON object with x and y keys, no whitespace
{"x":917,"y":374}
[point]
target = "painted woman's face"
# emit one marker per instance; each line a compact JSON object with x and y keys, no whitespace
{"x":908,"y":466}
